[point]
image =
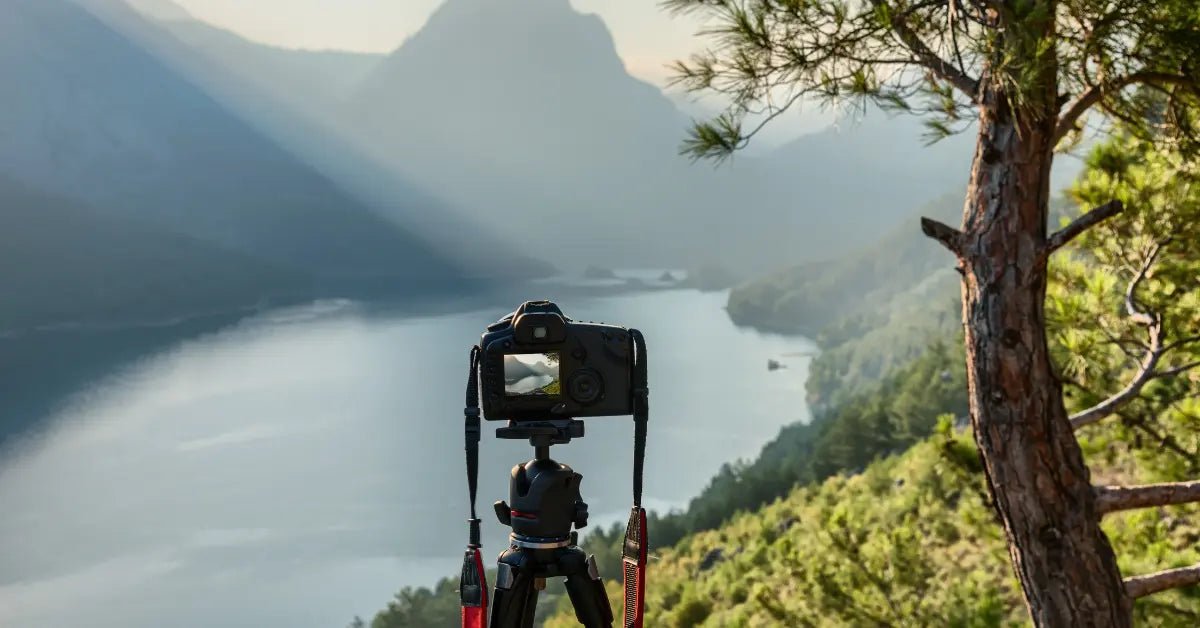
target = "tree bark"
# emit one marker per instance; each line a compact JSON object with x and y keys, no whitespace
{"x":1035,"y":470}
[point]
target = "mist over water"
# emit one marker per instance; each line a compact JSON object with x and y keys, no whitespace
{"x":300,"y":467}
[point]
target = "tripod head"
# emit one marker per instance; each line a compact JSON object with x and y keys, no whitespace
{"x":544,"y":495}
{"x":542,"y":434}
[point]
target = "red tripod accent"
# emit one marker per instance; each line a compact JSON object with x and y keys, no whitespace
{"x":473,"y":591}
{"x":634,"y":564}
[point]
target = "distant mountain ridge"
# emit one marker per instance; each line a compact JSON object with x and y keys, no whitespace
{"x":105,"y":122}
{"x":527,"y":109}
{"x":289,"y":96}
{"x":65,"y":264}
{"x":524,"y":117}
{"x":524,"y":112}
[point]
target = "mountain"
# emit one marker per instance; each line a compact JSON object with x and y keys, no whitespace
{"x":63,"y":263}
{"x":524,"y":114}
{"x":100,"y":119}
{"x":808,"y":297}
{"x":854,"y":179}
{"x":312,"y":81}
{"x":290,"y":96}
{"x":160,"y":9}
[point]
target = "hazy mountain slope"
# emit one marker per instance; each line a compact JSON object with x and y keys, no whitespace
{"x":523,"y":112}
{"x":288,"y":96}
{"x":61,"y":263}
{"x":855,"y":179}
{"x":99,"y":119}
{"x":807,"y":297}
{"x":313,"y":79}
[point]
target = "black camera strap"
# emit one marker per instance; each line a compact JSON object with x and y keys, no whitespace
{"x":472,"y":586}
{"x":634,"y":549}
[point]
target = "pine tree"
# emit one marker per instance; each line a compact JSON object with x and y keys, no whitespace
{"x":1024,"y":73}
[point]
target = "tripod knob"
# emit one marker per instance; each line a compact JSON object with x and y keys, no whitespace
{"x":503,"y":512}
{"x":581,"y":514}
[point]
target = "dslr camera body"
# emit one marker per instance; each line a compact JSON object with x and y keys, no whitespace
{"x":538,"y":365}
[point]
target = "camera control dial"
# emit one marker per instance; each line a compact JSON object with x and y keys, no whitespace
{"x":585,"y":386}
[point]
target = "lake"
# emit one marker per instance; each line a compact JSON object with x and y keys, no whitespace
{"x":297,"y":468}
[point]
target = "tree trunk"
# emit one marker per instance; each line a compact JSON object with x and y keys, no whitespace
{"x":1035,"y":469}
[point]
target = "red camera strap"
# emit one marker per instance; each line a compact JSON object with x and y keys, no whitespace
{"x":472,"y":585}
{"x":633,"y":553}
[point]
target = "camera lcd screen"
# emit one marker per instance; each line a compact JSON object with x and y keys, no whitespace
{"x":532,"y":375}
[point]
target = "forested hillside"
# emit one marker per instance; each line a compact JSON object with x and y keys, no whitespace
{"x":911,"y":541}
{"x":851,"y":290}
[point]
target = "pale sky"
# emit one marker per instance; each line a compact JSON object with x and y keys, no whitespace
{"x":647,"y":38}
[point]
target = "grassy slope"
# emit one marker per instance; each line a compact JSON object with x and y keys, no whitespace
{"x":908,"y":542}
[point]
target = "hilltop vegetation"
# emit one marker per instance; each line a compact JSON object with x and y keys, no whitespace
{"x":910,"y":541}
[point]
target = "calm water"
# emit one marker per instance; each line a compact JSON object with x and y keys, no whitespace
{"x":298,"y":468}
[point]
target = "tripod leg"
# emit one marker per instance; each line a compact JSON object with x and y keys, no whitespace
{"x":531,"y":599}
{"x":589,"y":597}
{"x":515,"y":598}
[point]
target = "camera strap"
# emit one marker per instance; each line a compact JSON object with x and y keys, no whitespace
{"x":472,"y":586}
{"x":633,"y":553}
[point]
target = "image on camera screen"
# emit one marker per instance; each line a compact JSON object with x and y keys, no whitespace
{"x":531,"y":374}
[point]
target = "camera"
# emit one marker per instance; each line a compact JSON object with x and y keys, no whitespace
{"x":536,"y":364}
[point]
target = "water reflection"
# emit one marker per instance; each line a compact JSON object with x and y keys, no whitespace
{"x":297,"y":468}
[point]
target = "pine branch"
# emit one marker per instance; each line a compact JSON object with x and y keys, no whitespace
{"x":1117,"y":498}
{"x":944,"y":70}
{"x":1141,"y":586}
{"x":1146,"y":371}
{"x":950,"y":237}
{"x":1191,"y":459}
{"x":1093,"y":94}
{"x":1061,"y":237}
{"x":1183,"y":341}
{"x":1131,"y":307}
{"x":1182,"y":368}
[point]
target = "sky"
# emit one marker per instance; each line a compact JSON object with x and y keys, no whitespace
{"x":647,"y":37}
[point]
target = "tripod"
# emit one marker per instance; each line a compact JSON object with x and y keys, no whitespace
{"x":545,"y":504}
